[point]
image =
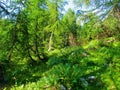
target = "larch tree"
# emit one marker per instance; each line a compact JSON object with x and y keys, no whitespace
{"x":54,"y":26}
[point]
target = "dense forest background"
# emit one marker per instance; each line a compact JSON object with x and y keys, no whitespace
{"x":43,"y":46}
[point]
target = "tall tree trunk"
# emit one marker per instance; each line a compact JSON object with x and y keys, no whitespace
{"x":36,"y":41}
{"x":50,"y":41}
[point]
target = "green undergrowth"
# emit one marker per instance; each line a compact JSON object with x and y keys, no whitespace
{"x":94,"y":66}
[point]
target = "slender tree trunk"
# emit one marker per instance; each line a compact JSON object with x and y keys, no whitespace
{"x":36,"y":41}
{"x":50,"y":41}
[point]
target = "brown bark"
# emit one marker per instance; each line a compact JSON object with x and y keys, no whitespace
{"x":72,"y":40}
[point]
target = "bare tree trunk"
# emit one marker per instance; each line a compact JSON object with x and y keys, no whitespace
{"x":50,"y":42}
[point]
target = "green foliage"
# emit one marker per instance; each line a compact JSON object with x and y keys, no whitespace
{"x":42,"y":50}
